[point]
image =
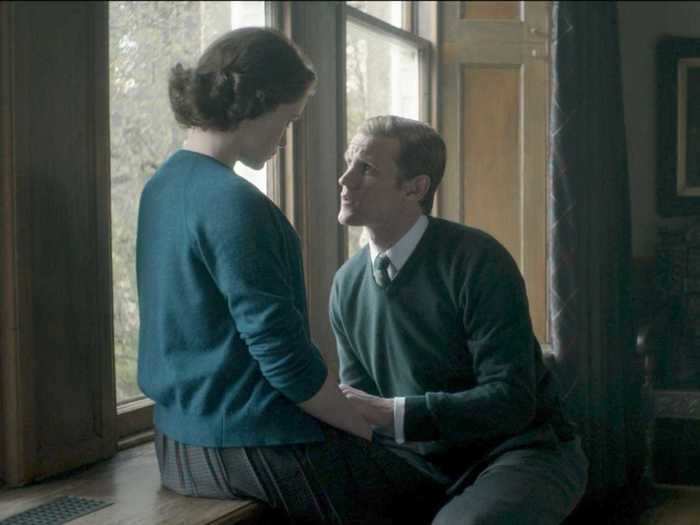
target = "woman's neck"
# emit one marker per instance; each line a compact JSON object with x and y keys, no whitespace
{"x":216,"y":144}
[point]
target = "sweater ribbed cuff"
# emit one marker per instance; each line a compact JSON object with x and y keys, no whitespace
{"x":308,"y":383}
{"x":419,"y":424}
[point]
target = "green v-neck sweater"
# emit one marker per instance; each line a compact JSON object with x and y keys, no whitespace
{"x":224,"y":348}
{"x":452,"y":333}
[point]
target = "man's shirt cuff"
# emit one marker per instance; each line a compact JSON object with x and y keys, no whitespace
{"x":399,"y":416}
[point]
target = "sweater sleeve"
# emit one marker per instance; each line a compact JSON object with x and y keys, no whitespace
{"x":352,"y":371}
{"x":502,"y":345}
{"x":247,"y":251}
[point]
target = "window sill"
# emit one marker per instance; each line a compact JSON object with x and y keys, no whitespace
{"x":134,"y":423}
{"x":131,"y":482}
{"x":135,"y":440}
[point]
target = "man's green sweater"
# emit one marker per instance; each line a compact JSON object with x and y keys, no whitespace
{"x":452,"y":333}
{"x":224,"y":348}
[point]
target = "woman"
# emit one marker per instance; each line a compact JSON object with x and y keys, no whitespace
{"x":224,"y":348}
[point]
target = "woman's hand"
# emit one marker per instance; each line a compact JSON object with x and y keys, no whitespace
{"x":378,"y":411}
{"x":332,"y":407}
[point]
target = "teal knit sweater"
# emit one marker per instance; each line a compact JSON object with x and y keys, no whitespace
{"x":224,"y":348}
{"x":452,"y":333}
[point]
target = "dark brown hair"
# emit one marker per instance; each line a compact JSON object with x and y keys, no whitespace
{"x":242,"y":75}
{"x":421,"y":150}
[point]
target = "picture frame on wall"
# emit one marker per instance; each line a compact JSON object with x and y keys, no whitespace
{"x":678,"y":126}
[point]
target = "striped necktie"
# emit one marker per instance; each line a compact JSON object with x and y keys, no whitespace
{"x":380,"y":270}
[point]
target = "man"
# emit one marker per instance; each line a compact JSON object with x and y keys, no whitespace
{"x":436,"y":346}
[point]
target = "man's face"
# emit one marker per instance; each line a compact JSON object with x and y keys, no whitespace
{"x":263,"y":136}
{"x":371,"y":194}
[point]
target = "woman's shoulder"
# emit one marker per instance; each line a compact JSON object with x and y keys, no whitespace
{"x":216,"y":199}
{"x":208,"y":182}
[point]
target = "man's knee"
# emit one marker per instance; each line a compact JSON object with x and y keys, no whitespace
{"x":455,"y":513}
{"x":462,"y":511}
{"x":469,"y":519}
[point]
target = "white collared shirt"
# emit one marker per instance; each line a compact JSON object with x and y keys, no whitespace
{"x":398,"y":255}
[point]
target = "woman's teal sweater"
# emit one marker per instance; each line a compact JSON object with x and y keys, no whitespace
{"x":224,"y":347}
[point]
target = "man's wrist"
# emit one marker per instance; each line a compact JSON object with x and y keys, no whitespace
{"x":386,"y":411}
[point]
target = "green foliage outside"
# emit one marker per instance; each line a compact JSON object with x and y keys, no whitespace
{"x":143,"y":134}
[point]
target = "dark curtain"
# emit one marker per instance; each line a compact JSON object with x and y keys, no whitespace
{"x":590,"y":248}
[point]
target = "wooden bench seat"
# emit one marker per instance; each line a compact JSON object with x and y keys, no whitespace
{"x":674,"y":505}
{"x":130,"y":481}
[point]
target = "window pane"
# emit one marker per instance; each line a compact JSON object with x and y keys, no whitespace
{"x":145,"y":40}
{"x":391,"y":12}
{"x":381,"y":78}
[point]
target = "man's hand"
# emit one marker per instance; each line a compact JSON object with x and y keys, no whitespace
{"x":378,"y":411}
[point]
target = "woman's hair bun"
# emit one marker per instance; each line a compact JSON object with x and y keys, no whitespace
{"x":242,"y":75}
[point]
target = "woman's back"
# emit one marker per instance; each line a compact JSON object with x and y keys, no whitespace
{"x":213,"y":249}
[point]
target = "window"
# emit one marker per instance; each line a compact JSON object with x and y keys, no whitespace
{"x":69,"y":220}
{"x":385,"y":71}
{"x":390,"y":12}
{"x":145,"y":40}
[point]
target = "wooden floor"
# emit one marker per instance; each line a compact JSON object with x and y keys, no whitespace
{"x":130,"y":481}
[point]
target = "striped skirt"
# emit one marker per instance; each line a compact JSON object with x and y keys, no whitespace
{"x":342,"y":480}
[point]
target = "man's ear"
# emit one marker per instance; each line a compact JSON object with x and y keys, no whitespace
{"x":417,"y":187}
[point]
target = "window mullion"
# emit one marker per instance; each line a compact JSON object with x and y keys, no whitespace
{"x":317,"y":149}
{"x":408,"y":16}
{"x":375,"y":24}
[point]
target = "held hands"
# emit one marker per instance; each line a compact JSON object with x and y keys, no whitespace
{"x":377,"y":411}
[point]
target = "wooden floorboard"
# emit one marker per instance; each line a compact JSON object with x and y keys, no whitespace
{"x":674,"y":505}
{"x":130,"y":481}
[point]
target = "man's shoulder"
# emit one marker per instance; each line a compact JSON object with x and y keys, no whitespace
{"x":455,"y":238}
{"x":353,"y":269}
